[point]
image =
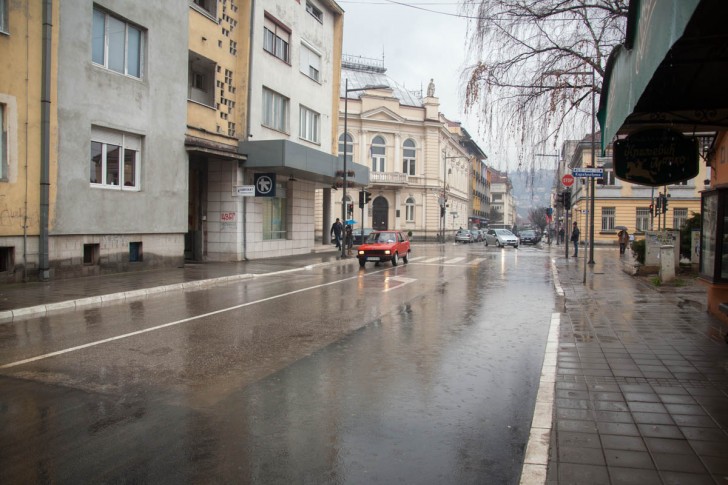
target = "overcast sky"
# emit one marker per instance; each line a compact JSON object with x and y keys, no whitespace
{"x":417,"y":45}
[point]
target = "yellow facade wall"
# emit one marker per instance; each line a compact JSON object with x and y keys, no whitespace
{"x":20,"y":93}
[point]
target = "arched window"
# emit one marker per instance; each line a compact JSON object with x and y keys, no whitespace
{"x":378,"y":154}
{"x":409,"y":211}
{"x":408,"y":157}
{"x":345,"y":140}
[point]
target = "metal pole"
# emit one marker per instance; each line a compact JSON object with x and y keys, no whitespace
{"x":652,"y":214}
{"x":587,"y":221}
{"x":591,"y":179}
{"x":566,"y":233}
{"x":343,"y":197}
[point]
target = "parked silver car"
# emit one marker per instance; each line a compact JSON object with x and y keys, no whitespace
{"x":463,"y":236}
{"x":500,"y":238}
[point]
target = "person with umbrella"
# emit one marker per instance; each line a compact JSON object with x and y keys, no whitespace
{"x":348,"y":238}
{"x":623,"y":237}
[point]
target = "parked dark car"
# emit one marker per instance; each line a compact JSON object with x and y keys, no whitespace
{"x":529,"y":236}
{"x":357,"y":234}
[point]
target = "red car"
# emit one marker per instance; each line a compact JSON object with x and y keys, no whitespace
{"x":384,"y":246}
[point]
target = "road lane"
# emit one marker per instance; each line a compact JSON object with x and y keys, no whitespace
{"x":432,"y":381}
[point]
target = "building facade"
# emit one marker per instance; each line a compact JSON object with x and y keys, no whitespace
{"x":419,"y":168}
{"x":623,"y":204}
{"x":502,"y":203}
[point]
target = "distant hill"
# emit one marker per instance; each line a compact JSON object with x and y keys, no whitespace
{"x":532,"y":189}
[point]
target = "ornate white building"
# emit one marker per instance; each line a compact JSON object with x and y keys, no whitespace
{"x":419,"y":168}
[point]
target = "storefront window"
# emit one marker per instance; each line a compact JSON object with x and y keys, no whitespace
{"x":711,"y":253}
{"x":274,"y":215}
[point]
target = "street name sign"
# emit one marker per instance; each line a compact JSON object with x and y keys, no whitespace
{"x":244,"y":191}
{"x":588,"y":172}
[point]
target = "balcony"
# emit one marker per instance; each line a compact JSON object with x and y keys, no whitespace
{"x":388,"y":178}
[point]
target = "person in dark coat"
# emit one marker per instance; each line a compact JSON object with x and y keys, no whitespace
{"x":575,"y":239}
{"x":336,"y":230}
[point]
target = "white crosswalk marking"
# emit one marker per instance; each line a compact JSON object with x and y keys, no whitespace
{"x":454,"y":260}
{"x":475,"y":261}
{"x":432,"y":260}
{"x":415,"y":259}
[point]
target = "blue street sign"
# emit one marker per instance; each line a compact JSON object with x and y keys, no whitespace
{"x":588,"y":172}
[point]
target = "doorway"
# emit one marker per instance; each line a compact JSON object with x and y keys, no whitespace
{"x":380,"y":214}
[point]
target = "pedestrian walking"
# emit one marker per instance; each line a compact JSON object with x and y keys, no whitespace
{"x":575,"y":239}
{"x":561,"y":235}
{"x":623,"y":240}
{"x":348,"y":239}
{"x":336,"y":230}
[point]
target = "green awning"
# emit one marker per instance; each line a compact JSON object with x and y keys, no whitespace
{"x":671,"y":72}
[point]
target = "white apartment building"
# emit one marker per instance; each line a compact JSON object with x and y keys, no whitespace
{"x":419,"y":172}
{"x":502,"y":200}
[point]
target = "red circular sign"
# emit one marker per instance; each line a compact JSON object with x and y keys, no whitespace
{"x":567,"y":180}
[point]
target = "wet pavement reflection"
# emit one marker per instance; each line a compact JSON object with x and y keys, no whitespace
{"x":336,"y":381}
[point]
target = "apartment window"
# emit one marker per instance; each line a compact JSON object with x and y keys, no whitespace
{"x":135,"y":252}
{"x":315,"y":11}
{"x":274,"y":215}
{"x":4,"y":17}
{"x":91,"y":254}
{"x":643,"y":219}
{"x":209,"y":6}
{"x":275,"y":110}
{"x":116,"y":44}
{"x":345,"y":139}
{"x":276,"y":39}
{"x":679,"y":218}
{"x":3,"y":142}
{"x":309,"y":125}
{"x":378,"y":151}
{"x":608,"y":218}
{"x":409,"y":210}
{"x":201,"y":79}
{"x":310,"y":63}
{"x":608,"y":178}
{"x":408,"y":157}
{"x":115,"y":159}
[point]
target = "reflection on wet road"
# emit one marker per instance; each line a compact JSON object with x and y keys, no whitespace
{"x":423,"y":373}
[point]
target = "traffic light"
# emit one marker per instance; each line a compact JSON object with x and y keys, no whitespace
{"x":658,"y":204}
{"x":652,"y":210}
{"x":361,"y":199}
{"x":367,"y":197}
{"x":560,"y":199}
{"x":350,"y":209}
{"x":567,"y":200}
{"x":664,"y":203}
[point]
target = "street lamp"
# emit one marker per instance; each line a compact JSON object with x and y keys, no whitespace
{"x":346,"y":131}
{"x":443,"y":199}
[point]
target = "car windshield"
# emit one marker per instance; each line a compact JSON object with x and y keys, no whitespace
{"x":503,"y":232}
{"x":528,"y":233}
{"x":381,"y":237}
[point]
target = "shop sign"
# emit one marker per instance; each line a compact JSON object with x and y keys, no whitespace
{"x":656,"y":157}
{"x":265,"y":184}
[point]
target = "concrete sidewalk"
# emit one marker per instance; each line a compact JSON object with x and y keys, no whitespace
{"x":641,"y":391}
{"x":27,"y":300}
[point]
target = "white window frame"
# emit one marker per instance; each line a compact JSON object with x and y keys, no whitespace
{"x":4,"y":14}
{"x":409,"y":157}
{"x":409,"y":209}
{"x":310,"y":62}
{"x":129,"y":145}
{"x":609,"y":214}
{"x":309,"y":125}
{"x":678,"y":219}
{"x":642,"y":221}
{"x":276,"y":39}
{"x":137,"y":71}
{"x":379,"y":154}
{"x":314,"y":11}
{"x":275,"y":110}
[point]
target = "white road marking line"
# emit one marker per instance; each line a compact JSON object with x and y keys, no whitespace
{"x":178,"y":322}
{"x":400,"y":279}
{"x":432,"y":260}
{"x":475,"y":261}
{"x":453,"y":261}
{"x":415,"y":259}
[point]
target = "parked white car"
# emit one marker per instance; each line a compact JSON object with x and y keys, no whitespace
{"x":500,"y":238}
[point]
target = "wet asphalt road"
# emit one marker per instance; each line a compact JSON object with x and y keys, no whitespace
{"x":423,"y":373}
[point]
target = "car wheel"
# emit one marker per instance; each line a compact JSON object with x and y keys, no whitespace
{"x":497,"y":243}
{"x":515,"y":247}
{"x":395,"y":261}
{"x":405,"y":258}
{"x":362,"y":263}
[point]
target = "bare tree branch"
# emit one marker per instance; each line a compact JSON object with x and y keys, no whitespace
{"x":530,"y":75}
